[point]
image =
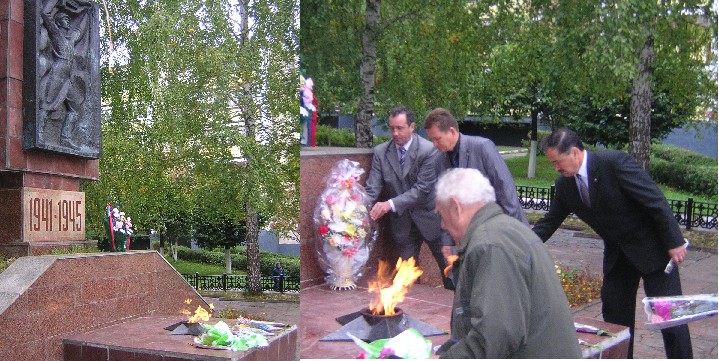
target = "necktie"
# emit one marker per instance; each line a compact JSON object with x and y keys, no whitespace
{"x":583,"y":191}
{"x":402,"y":152}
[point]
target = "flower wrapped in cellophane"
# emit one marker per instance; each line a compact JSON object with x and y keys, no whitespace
{"x":409,"y":344}
{"x":345,"y":232}
{"x":669,"y":311}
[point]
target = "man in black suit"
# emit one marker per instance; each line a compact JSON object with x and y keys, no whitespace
{"x":627,"y":209}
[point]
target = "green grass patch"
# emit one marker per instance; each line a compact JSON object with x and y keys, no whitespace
{"x":189,"y":267}
{"x":234,"y":295}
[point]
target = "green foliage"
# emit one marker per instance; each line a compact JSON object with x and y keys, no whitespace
{"x":335,"y":137}
{"x":291,"y":264}
{"x":573,"y":62}
{"x":330,"y":136}
{"x":608,"y":124}
{"x":5,"y":262}
{"x":684,"y":170}
{"x":180,"y":92}
{"x":674,"y":154}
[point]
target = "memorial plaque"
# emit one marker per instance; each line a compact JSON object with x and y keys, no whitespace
{"x":51,"y":215}
{"x":61,"y":69}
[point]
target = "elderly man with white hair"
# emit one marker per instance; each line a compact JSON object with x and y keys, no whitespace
{"x":508,"y":302}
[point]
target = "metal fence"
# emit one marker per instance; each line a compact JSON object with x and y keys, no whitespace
{"x":226,"y":282}
{"x":688,"y":213}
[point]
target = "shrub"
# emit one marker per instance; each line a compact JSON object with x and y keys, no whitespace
{"x":684,"y":170}
{"x":676,"y":154}
{"x":329,"y":136}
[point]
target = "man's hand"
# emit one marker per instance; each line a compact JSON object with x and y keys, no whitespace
{"x":678,"y":254}
{"x":379,"y":209}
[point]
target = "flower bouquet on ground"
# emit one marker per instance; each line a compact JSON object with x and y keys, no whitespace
{"x":409,"y":344}
{"x":119,"y":228}
{"x":221,"y":337}
{"x":663,"y":312}
{"x":345,"y":232}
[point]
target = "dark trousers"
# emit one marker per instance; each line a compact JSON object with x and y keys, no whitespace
{"x":619,"y":294}
{"x":411,"y":247}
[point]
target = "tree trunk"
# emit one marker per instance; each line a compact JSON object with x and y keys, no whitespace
{"x":175,"y":244}
{"x":641,"y":106}
{"x":228,"y":260}
{"x":253,"y":252}
{"x":162,"y":243}
{"x":365,"y":111}
{"x":532,"y":170}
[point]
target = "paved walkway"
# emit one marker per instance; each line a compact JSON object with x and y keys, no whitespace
{"x":698,"y":275}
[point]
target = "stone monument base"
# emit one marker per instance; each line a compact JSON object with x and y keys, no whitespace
{"x":20,"y":249}
{"x":145,"y":338}
{"x":46,"y":299}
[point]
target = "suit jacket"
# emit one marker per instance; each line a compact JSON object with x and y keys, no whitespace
{"x":412,"y":190}
{"x":627,"y":210}
{"x":480,"y":153}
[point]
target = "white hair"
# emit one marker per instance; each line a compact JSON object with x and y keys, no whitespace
{"x":467,"y":185}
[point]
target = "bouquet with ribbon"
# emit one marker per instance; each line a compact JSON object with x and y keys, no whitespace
{"x":119,"y":228}
{"x":663,"y":312}
{"x":345,"y":232}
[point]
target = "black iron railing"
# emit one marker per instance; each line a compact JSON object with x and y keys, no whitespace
{"x":688,"y":213}
{"x":226,"y":282}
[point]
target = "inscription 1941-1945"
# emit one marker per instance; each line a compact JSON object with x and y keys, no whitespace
{"x":53,"y":215}
{"x":61,"y":87}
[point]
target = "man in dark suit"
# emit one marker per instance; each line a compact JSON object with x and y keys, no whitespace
{"x":404,"y":167}
{"x":611,"y":193}
{"x":468,"y":151}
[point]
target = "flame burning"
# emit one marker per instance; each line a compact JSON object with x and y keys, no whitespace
{"x":200,"y":313}
{"x":450,"y":261}
{"x":392,"y":286}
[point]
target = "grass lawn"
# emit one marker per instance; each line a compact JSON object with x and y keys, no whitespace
{"x":545,"y":176}
{"x":188,"y":267}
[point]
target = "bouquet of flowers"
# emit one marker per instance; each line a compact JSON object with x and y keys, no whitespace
{"x":663,"y":312}
{"x":119,"y":227}
{"x":409,"y":344}
{"x":221,"y":337}
{"x":344,"y":230}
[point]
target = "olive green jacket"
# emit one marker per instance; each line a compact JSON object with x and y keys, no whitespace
{"x":509,"y":302}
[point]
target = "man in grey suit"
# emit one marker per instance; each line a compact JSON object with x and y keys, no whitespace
{"x":468,"y":151}
{"x":404,"y":168}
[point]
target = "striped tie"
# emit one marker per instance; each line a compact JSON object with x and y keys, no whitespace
{"x":583,"y":191}
{"x":402,"y":152}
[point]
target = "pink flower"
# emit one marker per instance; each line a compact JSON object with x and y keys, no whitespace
{"x":324,"y":229}
{"x":385,"y":353}
{"x":330,"y":199}
{"x":663,"y":310}
{"x":356,"y":197}
{"x":349,"y":251}
{"x":361,"y":356}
